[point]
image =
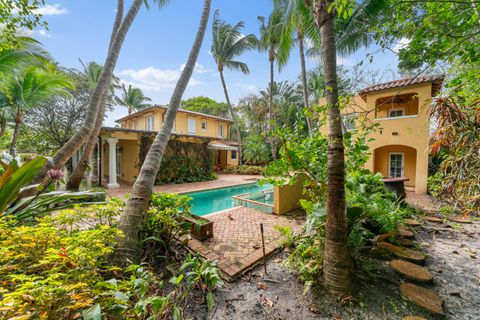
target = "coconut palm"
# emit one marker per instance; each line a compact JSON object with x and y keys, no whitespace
{"x":129,"y":247}
{"x":29,"y":87}
{"x":119,"y":33}
{"x":132,"y":98}
{"x":228,"y":43}
{"x":269,"y":41}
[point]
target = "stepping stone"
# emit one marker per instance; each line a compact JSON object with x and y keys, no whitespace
{"x":412,"y":222}
{"x":411,"y":271}
{"x":401,"y":241}
{"x":404,"y":253}
{"x":413,"y":318}
{"x":460,"y":219}
{"x":382,"y":237}
{"x":424,"y":298}
{"x":404,"y":233}
{"x":432,"y":219}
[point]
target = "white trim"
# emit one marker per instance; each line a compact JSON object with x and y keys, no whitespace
{"x":389,"y":163}
{"x":396,"y":118}
{"x":396,"y":109}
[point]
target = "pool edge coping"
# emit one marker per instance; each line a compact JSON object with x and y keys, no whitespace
{"x":215,"y":188}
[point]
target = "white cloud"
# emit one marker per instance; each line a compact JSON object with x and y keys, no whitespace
{"x":51,"y":10}
{"x":154,"y":79}
{"x":344,"y":61}
{"x":247,"y":87}
{"x":198,"y":68}
{"x":31,"y":33}
{"x":401,"y":44}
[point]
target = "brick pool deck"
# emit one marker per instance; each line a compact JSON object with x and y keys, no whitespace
{"x":224,"y":180}
{"x":237,"y":242}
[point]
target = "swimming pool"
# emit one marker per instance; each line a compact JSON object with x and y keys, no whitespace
{"x":209,"y":201}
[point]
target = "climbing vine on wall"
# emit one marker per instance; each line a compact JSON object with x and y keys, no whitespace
{"x":183,"y":161}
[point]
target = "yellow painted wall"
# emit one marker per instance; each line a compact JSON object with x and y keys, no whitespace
{"x":231,"y":162}
{"x":181,"y":123}
{"x":381,"y":161}
{"x":129,"y":160}
{"x":287,"y":197}
{"x":412,"y":131}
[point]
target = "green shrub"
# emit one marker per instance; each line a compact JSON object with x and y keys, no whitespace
{"x":245,"y":169}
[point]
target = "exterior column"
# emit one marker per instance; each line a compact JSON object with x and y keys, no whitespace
{"x":112,"y":163}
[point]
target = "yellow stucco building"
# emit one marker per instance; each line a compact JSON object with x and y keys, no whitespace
{"x":401,"y":109}
{"x":118,"y":158}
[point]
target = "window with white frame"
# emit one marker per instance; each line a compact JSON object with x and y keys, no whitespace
{"x":192,"y":125}
{"x":220,"y":131}
{"x":395,"y":165}
{"x":204,"y":124}
{"x":150,"y":123}
{"x":397,"y":112}
{"x":349,"y":121}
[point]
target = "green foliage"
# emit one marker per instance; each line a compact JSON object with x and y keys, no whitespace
{"x":205,"y":105}
{"x":245,"y":169}
{"x":164,"y":223}
{"x":256,"y":150}
{"x":287,"y":233}
{"x":435,"y":184}
{"x":133,"y":99}
{"x":183,"y":161}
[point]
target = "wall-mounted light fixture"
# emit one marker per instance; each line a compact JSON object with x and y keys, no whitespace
{"x":394,"y":133}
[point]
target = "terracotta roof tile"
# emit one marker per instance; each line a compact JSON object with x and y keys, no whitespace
{"x":436,"y":79}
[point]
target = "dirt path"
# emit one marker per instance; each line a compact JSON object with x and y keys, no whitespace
{"x":452,"y":259}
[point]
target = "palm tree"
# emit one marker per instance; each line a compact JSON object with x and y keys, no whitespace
{"x":228,"y":43}
{"x":299,"y":24}
{"x":98,"y":94}
{"x":129,"y":247}
{"x":32,"y":86}
{"x":269,"y":41}
{"x":132,"y":98}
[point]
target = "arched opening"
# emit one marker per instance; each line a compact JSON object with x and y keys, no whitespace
{"x":396,"y":161}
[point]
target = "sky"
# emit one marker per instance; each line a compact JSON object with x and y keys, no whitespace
{"x":158,"y":44}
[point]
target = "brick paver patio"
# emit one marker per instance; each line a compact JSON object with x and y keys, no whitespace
{"x":423,"y":202}
{"x":237,"y":243}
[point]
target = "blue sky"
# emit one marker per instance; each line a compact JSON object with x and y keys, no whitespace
{"x":158,"y":44}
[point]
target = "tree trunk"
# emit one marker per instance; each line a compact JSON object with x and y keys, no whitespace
{"x":79,"y":171}
{"x":336,"y":258}
{"x":234,"y":117}
{"x":16,"y":131}
{"x":304,"y":80}
{"x":129,"y":247}
{"x":3,"y":124}
{"x":66,"y":152}
{"x":271,"y":59}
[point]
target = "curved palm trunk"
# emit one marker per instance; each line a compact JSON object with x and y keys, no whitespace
{"x":66,"y":152}
{"x":3,"y":124}
{"x":336,"y":258}
{"x":271,"y":59}
{"x":304,"y":79}
{"x":16,"y":131}
{"x":79,"y":171}
{"x":234,"y":118}
{"x":129,"y":247}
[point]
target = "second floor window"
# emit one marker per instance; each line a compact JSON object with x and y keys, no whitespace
{"x":204,"y":124}
{"x":393,"y":113}
{"x":220,"y":131}
{"x":150,"y":125}
{"x":192,"y":125}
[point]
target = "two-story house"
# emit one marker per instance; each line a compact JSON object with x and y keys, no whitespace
{"x":401,"y":142}
{"x":119,"y":156}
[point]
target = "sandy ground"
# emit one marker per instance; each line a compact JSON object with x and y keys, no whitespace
{"x":452,"y":259}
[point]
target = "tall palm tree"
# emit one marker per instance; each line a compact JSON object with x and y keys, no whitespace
{"x":132,"y":98}
{"x":129,"y":247}
{"x":297,"y":23}
{"x":228,"y":43}
{"x":30,"y":87}
{"x":98,"y":94}
{"x":92,"y":71}
{"x":269,"y":41}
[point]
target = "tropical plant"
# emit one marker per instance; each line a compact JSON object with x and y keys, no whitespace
{"x":131,"y":221}
{"x":16,"y":179}
{"x":269,"y":41}
{"x":256,"y":150}
{"x":132,"y":98}
{"x":205,"y":105}
{"x":31,"y":86}
{"x":229,"y":43}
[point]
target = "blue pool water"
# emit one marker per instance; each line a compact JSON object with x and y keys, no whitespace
{"x":205,"y":202}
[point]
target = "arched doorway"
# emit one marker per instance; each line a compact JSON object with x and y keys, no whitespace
{"x":396,"y":161}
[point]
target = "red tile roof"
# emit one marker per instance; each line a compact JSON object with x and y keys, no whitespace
{"x":436,"y":81}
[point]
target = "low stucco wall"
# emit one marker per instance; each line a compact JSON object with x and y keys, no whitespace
{"x":287,"y":197}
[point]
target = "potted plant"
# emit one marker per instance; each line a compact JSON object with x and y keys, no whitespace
{"x":200,"y":228}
